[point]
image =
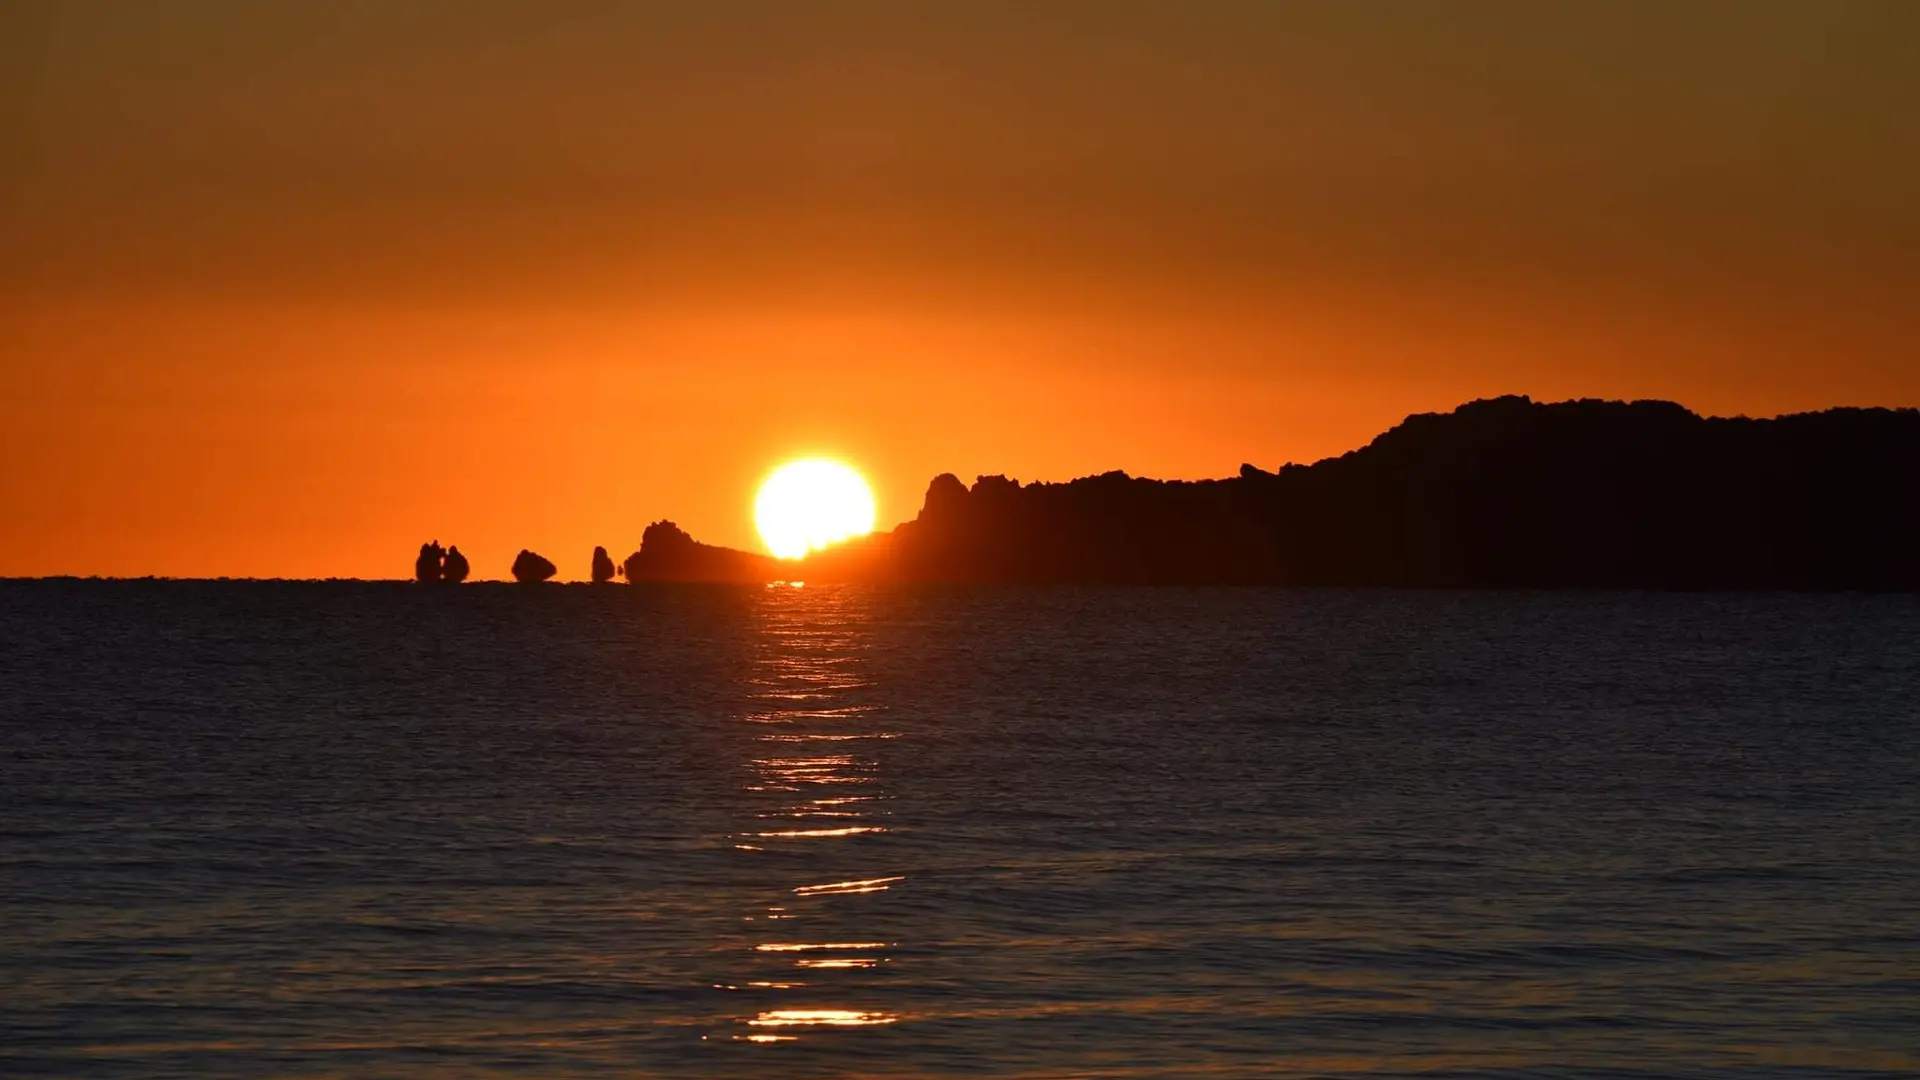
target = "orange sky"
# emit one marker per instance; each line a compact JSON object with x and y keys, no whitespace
{"x":289,"y":289}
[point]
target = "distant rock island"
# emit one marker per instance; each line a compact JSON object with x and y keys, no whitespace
{"x":529,"y":568}
{"x":602,"y":566}
{"x":455,"y":569}
{"x":1504,"y":492}
{"x":438,"y":564}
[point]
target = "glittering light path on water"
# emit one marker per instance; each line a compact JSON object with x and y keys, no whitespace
{"x":816,"y":795}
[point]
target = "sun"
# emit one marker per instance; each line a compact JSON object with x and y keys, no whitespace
{"x":806,"y":505}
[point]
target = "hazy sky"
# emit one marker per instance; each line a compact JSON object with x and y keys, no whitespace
{"x":290,"y":288}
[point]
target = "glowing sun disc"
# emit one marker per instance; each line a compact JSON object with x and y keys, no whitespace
{"x":806,"y":505}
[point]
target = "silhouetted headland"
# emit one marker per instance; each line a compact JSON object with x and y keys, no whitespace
{"x":529,"y":568}
{"x":1498,"y":493}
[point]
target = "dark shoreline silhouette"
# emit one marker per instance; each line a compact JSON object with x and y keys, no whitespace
{"x":1503,"y":492}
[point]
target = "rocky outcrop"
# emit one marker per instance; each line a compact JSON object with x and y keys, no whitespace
{"x":602,"y":566}
{"x":529,"y":568}
{"x":667,"y":553}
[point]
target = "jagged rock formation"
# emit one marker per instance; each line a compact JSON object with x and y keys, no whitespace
{"x":427,"y":567}
{"x":1497,"y":493}
{"x":454,"y":568}
{"x":602,"y":566}
{"x":529,"y":568}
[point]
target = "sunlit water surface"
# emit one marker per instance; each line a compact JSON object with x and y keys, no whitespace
{"x":257,"y":829}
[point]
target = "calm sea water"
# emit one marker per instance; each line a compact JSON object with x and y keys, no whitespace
{"x":375,"y":829}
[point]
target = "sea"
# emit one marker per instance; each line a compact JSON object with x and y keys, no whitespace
{"x":257,"y":829}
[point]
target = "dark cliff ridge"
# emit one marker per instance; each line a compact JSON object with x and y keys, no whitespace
{"x":1497,"y":493}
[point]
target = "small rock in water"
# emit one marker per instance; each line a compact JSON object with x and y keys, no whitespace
{"x":427,"y":567}
{"x":529,"y":568}
{"x":602,"y":566}
{"x":454,"y":568}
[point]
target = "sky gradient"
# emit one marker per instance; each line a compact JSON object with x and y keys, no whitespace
{"x":289,"y":289}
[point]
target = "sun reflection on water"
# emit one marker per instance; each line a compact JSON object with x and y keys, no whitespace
{"x":815,"y":733}
{"x":850,"y":830}
{"x":831,"y":1017}
{"x":797,"y":946}
{"x":866,"y":885}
